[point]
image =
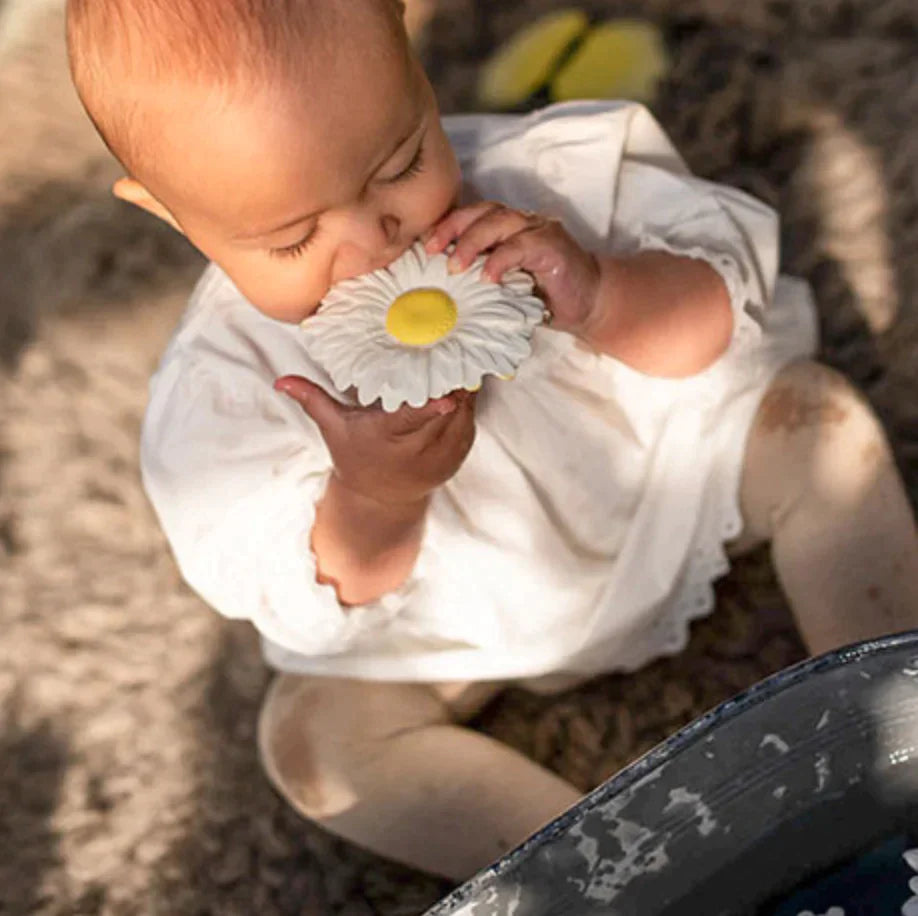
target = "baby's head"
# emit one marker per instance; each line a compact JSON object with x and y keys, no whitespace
{"x":295,"y":142}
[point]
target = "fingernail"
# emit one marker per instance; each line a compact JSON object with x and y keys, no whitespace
{"x":447,"y":405}
{"x":288,"y":387}
{"x":454,"y":265}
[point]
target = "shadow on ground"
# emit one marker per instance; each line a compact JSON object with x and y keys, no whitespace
{"x":34,"y":759}
{"x":809,"y":105}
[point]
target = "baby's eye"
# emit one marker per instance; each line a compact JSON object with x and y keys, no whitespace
{"x":294,"y":251}
{"x":416,"y":165}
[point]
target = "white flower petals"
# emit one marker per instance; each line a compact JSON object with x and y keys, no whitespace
{"x":347,"y":336}
{"x":910,"y":907}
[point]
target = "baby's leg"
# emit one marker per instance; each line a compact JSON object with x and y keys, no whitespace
{"x":819,"y":482}
{"x":387,"y":767}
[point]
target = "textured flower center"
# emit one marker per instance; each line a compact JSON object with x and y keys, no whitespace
{"x":421,"y":317}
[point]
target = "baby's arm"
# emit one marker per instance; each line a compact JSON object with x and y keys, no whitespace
{"x":661,"y":313}
{"x":364,"y":547}
{"x":370,"y":521}
{"x":651,"y":265}
{"x":238,"y":475}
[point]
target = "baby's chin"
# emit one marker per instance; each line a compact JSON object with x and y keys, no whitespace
{"x":288,"y":314}
{"x":306,"y":313}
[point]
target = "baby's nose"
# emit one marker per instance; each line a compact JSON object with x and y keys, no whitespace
{"x":391,"y":226}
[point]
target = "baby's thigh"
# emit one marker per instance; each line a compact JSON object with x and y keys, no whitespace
{"x":313,"y":730}
{"x":465,"y":699}
{"x":814,"y":436}
{"x":547,"y":685}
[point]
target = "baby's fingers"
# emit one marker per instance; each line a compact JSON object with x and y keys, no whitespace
{"x":434,"y":431}
{"x":524,"y":250}
{"x":328,"y":414}
{"x":455,"y":436}
{"x":407,"y":420}
{"x":455,"y":223}
{"x":489,"y":231}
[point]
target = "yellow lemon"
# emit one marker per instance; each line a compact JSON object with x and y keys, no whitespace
{"x":525,"y":63}
{"x":622,"y":58}
{"x":421,"y":317}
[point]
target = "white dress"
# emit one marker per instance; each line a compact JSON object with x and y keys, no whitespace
{"x":584,"y":530}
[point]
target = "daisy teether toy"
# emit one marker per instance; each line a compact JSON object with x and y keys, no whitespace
{"x":411,"y":331}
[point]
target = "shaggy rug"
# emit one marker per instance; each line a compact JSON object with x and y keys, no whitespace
{"x":128,"y":779}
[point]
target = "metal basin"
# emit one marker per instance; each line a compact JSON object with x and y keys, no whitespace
{"x":798,"y":795}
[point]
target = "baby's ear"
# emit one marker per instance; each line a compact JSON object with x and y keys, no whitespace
{"x":132,"y":191}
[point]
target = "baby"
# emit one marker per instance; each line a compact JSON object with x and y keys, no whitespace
{"x":403,"y":568}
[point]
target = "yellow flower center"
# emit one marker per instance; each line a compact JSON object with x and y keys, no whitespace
{"x":421,"y":317}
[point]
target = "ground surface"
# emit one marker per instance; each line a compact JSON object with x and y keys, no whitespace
{"x":128,"y":782}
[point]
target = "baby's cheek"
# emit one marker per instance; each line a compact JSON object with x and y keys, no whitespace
{"x":440,"y":192}
{"x":350,"y":261}
{"x":283,"y":294}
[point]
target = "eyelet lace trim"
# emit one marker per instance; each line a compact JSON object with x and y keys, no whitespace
{"x":708,"y":561}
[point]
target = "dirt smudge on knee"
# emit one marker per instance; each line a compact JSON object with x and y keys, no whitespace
{"x":784,"y":409}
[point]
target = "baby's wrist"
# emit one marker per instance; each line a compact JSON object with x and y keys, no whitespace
{"x":379,"y":502}
{"x":364,"y":547}
{"x":596,"y":324}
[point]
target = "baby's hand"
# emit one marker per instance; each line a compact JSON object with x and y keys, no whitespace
{"x":566,"y":276}
{"x":393,"y":458}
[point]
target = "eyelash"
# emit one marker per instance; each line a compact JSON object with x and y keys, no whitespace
{"x":415,"y":167}
{"x":294,"y":251}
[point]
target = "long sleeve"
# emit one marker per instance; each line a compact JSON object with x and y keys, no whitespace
{"x":234,"y":471}
{"x":610,"y":174}
{"x":658,"y":204}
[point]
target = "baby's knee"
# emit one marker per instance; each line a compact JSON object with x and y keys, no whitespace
{"x":809,"y":395}
{"x":317,"y":735}
{"x":822,"y":430}
{"x":289,"y":748}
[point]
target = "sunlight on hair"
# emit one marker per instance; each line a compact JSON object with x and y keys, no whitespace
{"x":124,"y":54}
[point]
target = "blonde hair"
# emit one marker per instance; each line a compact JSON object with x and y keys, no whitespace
{"x":119,"y":47}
